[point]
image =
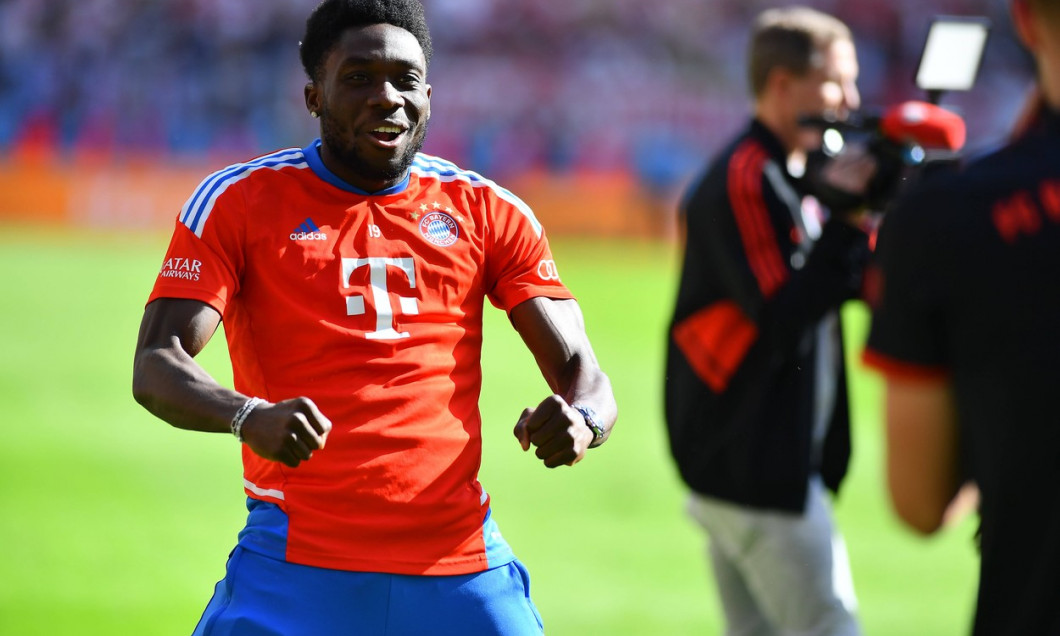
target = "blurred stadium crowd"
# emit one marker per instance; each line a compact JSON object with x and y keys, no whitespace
{"x":557,"y":85}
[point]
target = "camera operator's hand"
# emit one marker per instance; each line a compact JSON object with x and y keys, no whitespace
{"x":850,"y":171}
{"x":842,"y":182}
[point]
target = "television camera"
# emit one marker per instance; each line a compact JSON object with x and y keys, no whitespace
{"x":911,"y":137}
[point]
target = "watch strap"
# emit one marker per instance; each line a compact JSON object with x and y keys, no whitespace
{"x":591,"y":420}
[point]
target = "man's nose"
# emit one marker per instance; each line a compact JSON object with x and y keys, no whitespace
{"x":386,"y":95}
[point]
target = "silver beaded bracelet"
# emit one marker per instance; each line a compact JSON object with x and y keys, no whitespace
{"x":241,"y":416}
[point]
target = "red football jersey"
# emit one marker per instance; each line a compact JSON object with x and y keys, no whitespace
{"x":371,"y":305}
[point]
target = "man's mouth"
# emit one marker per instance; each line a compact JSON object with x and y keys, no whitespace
{"x":387,"y":135}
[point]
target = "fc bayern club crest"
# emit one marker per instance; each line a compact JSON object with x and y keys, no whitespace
{"x":439,"y":228}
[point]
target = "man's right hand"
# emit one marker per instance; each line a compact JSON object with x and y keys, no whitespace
{"x":851,"y":171}
{"x":842,"y":182}
{"x":287,"y":432}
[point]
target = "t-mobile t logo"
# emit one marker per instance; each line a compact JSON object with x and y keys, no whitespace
{"x":384,"y":309}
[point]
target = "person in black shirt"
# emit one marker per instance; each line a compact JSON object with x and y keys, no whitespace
{"x":967,"y":334}
{"x":755,"y":390}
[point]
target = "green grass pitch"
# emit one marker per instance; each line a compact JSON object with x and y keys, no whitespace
{"x":113,"y":522}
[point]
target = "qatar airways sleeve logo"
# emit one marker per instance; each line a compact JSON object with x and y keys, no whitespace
{"x":181,"y":268}
{"x":384,"y":303}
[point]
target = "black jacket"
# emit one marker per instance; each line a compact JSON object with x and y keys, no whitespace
{"x":740,"y":373}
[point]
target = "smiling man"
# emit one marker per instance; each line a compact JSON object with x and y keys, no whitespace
{"x":351,"y":277}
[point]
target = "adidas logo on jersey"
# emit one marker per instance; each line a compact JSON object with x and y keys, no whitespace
{"x":308,"y":231}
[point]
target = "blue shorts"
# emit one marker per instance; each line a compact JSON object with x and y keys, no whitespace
{"x":261,"y":595}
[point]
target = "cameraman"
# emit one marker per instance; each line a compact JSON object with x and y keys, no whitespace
{"x":967,"y":334}
{"x":756,"y":402}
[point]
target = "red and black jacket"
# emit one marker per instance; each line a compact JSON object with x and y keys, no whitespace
{"x":740,"y":373}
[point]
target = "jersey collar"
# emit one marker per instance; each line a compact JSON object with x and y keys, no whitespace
{"x":312,"y":157}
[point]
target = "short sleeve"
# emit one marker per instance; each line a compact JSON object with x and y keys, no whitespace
{"x":205,"y":254}
{"x":519,"y":261}
{"x":908,"y":292}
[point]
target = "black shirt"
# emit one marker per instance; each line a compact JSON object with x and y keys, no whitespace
{"x":969,"y":268}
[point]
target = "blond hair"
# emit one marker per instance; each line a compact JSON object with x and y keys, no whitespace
{"x":792,"y":38}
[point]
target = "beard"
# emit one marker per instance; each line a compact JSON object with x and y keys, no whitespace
{"x":348,"y":155}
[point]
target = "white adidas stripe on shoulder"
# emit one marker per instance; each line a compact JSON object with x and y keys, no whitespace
{"x":199,"y":206}
{"x":443,"y":170}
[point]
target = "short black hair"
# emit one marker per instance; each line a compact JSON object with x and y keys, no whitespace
{"x":331,"y":18}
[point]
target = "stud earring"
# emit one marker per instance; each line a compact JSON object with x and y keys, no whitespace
{"x":313,"y":114}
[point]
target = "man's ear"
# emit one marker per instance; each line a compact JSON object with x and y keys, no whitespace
{"x":778,"y":93}
{"x":777,"y":81}
{"x":312,"y":98}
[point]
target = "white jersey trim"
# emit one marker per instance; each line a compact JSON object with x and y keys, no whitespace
{"x":447,"y":171}
{"x":263,"y":492}
{"x":197,"y":209}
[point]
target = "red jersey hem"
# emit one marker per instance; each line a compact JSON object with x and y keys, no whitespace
{"x":435,"y":568}
{"x":523,"y":295}
{"x":186,"y":293}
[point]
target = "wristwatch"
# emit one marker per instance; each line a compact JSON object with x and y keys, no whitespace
{"x":590,"y":421}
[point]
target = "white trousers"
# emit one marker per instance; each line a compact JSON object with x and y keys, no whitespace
{"x":779,"y":573}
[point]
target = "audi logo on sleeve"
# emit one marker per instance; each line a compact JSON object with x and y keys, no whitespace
{"x":546,"y":270}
